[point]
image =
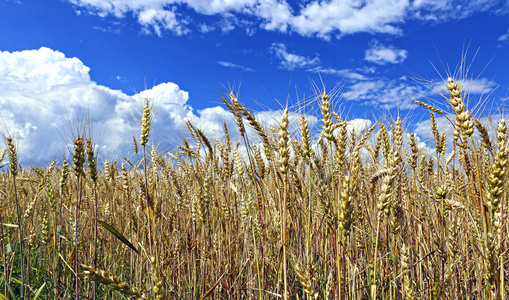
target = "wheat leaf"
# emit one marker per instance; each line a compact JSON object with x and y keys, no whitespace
{"x":117,"y":235}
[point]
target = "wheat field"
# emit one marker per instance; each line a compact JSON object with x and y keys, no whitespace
{"x":323,"y":213}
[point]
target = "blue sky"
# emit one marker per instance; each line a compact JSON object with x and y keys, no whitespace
{"x":105,"y":56}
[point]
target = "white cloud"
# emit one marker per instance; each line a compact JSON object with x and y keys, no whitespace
{"x":42,"y":90}
{"x":276,"y":14}
{"x":344,"y":73}
{"x":313,"y":17}
{"x":211,"y":7}
{"x":382,"y":54}
{"x":472,"y":88}
{"x":423,"y":129}
{"x":204,"y":28}
{"x":363,"y":90}
{"x":156,"y":15}
{"x":234,"y":66}
{"x":291,"y":60}
{"x":325,"y":17}
{"x":39,"y":88}
{"x":160,"y":18}
{"x":386,"y":94}
{"x":18,"y":2}
{"x":504,"y":37}
{"x":478,"y":86}
{"x":227,"y":24}
{"x":359,"y":125}
{"x":108,"y":29}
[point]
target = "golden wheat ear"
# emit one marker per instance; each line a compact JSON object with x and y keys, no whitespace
{"x":115,"y":283}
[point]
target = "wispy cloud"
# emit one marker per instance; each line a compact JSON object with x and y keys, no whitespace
{"x":108,"y":29}
{"x":385,"y":93}
{"x":401,"y":93}
{"x":234,"y":66}
{"x":504,"y":37}
{"x":446,"y":10}
{"x":291,"y":60}
{"x":479,"y":86}
{"x":205,"y":28}
{"x":342,"y":73}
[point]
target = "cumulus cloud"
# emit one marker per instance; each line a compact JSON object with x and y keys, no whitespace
{"x":358,"y":125}
{"x":291,"y":60}
{"x":312,"y":18}
{"x":381,"y":55}
{"x":42,"y":91}
{"x":35,"y":85}
{"x":423,"y":128}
